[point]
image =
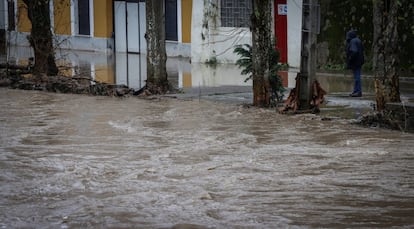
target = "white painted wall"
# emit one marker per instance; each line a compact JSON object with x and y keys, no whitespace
{"x":200,"y":51}
{"x":224,"y":75}
{"x":81,"y":43}
{"x":294,"y":24}
{"x":214,"y":41}
{"x":220,"y":41}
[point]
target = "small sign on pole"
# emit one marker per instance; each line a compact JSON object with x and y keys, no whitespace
{"x":282,"y":9}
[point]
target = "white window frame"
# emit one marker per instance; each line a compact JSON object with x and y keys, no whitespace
{"x":6,"y":14}
{"x":52,"y":17}
{"x":179,"y":22}
{"x":75,"y":20}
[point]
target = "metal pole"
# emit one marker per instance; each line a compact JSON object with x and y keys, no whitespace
{"x":310,"y":28}
{"x":126,"y":36}
{"x":139,"y":44}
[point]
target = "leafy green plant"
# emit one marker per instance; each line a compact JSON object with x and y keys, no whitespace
{"x":245,"y":61}
{"x":246,"y":64}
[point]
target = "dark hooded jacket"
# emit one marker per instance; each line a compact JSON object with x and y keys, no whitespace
{"x":354,"y":51}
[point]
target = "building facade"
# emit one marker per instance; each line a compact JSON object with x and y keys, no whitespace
{"x":204,"y":30}
{"x":76,"y":24}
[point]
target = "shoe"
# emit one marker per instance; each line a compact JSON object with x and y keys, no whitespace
{"x":356,"y":94}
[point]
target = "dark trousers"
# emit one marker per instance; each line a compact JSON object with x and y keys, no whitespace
{"x":357,"y":80}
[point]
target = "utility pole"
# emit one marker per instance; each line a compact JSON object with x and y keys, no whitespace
{"x":2,"y":28}
{"x":310,"y":29}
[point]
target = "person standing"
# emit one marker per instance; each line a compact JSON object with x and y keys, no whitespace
{"x":355,"y":60}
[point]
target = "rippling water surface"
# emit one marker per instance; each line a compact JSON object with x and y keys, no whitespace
{"x":72,"y":161}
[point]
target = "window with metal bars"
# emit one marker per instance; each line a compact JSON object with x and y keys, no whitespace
{"x":235,"y":13}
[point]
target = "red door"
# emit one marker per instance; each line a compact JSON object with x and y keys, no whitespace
{"x":280,"y":7}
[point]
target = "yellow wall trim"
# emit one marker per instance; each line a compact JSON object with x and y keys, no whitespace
{"x":186,"y":15}
{"x":61,"y":15}
{"x":102,"y":14}
{"x":23,"y":22}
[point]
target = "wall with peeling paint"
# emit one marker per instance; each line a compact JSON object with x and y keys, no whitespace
{"x":212,"y":43}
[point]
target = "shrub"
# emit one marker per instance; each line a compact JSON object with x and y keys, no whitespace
{"x":246,"y":64}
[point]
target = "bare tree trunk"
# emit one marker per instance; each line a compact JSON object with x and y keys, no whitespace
{"x":41,"y":37}
{"x":385,"y":52}
{"x":157,"y":81}
{"x":261,"y":46}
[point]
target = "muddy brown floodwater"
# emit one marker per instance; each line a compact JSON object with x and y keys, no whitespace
{"x":72,"y":161}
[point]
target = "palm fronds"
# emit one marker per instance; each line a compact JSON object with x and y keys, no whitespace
{"x":246,"y":64}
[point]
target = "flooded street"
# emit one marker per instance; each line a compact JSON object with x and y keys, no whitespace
{"x":222,"y":82}
{"x":73,"y":161}
{"x":201,"y":159}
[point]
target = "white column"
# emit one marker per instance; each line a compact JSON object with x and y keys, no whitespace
{"x":73,"y":3}
{"x":294,"y":24}
{"x":91,"y":19}
{"x":179,"y":22}
{"x":52,"y":17}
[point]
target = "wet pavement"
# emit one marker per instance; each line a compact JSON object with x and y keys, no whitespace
{"x":73,"y":161}
{"x":217,"y":83}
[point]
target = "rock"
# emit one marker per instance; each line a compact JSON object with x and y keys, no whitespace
{"x":121,"y":91}
{"x":62,"y":84}
{"x":206,"y":196}
{"x":5,"y":82}
{"x":402,"y":114}
{"x":397,"y":116}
